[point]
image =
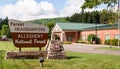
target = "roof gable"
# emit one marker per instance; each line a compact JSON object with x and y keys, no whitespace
{"x":56,"y":28}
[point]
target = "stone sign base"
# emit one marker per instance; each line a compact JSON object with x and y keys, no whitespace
{"x":26,"y":54}
{"x":55,"y":50}
{"x":56,"y":55}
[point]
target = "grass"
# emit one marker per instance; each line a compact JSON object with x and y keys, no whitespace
{"x":74,"y":61}
{"x":9,"y":46}
{"x":108,"y":48}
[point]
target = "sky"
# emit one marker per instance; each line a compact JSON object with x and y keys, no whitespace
{"x":38,"y":9}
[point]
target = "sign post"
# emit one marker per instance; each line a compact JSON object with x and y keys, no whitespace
{"x":26,"y":34}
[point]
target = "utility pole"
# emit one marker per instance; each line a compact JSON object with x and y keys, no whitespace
{"x":119,"y":24}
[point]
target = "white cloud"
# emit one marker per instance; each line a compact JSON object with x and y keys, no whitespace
{"x":28,"y":10}
{"x":71,"y":7}
{"x":74,"y":6}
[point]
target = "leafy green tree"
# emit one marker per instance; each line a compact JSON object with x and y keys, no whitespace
{"x":95,"y":17}
{"x":102,"y":17}
{"x":9,"y":33}
{"x":108,"y":17}
{"x":0,"y":20}
{"x":0,"y":33}
{"x":3,"y":22}
{"x":95,"y":3}
{"x":4,"y":30}
{"x":90,"y":20}
{"x":76,"y":18}
{"x":50,"y":25}
{"x":0,"y":24}
{"x":90,"y":4}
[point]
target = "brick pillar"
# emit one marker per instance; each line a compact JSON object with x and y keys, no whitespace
{"x":63,"y":37}
{"x":76,"y":35}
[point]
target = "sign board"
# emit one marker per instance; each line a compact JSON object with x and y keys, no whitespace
{"x":26,"y":34}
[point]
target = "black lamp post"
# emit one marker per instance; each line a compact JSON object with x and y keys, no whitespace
{"x":41,"y":60}
{"x":96,"y":33}
{"x":95,"y":22}
{"x":95,"y":29}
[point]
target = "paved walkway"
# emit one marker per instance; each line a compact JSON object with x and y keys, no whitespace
{"x":88,"y":48}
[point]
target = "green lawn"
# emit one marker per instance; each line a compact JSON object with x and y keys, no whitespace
{"x":74,"y":61}
{"x":9,"y":46}
{"x":108,"y":48}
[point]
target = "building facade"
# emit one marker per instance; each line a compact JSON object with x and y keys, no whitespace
{"x":74,"y":31}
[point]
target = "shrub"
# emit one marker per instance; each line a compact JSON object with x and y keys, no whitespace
{"x":91,"y":38}
{"x":80,"y":41}
{"x":115,"y":42}
{"x":67,"y":42}
{"x":111,"y":42}
{"x":108,"y":42}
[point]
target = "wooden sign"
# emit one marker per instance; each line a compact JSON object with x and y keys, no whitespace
{"x":26,"y":34}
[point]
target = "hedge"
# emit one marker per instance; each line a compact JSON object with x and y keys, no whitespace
{"x":113,"y":42}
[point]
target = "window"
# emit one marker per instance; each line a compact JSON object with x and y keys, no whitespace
{"x":107,"y":37}
{"x":69,"y":38}
{"x":117,"y":36}
{"x":83,"y":37}
{"x":98,"y":36}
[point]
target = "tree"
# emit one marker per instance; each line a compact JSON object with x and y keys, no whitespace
{"x":9,"y":33}
{"x":108,"y":17}
{"x":0,"y":20}
{"x":90,"y":4}
{"x":100,"y":17}
{"x":95,"y":3}
{"x":89,"y":17}
{"x":0,"y":23}
{"x":95,"y":17}
{"x":3,"y":22}
{"x":4,"y":30}
{"x":50,"y":25}
{"x":77,"y":17}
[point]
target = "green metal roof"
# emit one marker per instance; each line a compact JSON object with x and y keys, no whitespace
{"x":83,"y":26}
{"x":106,"y":26}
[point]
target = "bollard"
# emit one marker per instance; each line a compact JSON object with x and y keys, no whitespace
{"x":41,"y":60}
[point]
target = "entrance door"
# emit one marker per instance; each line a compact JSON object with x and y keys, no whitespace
{"x":70,"y":38}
